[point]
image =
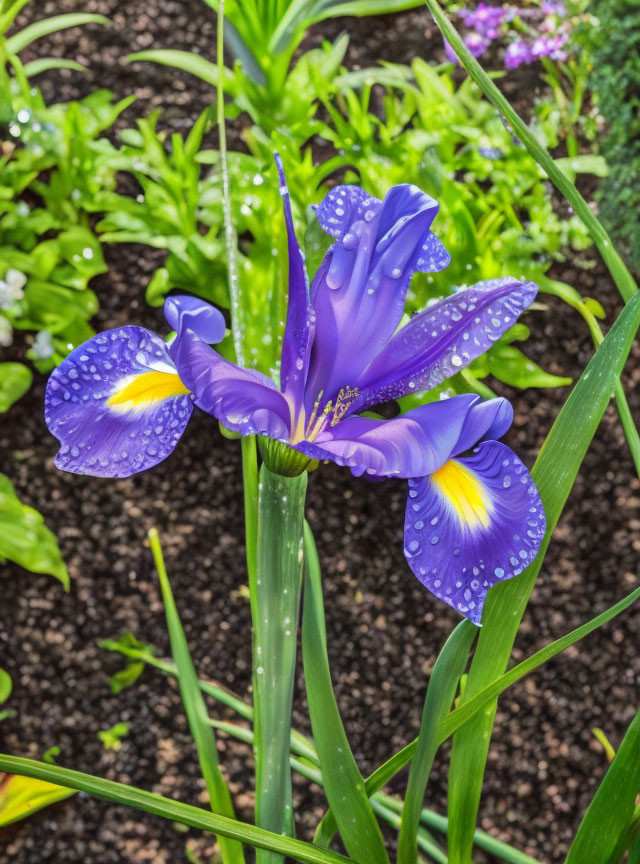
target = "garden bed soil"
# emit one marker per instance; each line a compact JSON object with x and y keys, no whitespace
{"x":384,"y":630}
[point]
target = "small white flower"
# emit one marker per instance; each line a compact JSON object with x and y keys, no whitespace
{"x":6,"y":332}
{"x":43,"y":345}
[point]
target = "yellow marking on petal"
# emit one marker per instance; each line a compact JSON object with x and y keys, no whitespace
{"x":465,"y":492}
{"x":140,"y":391}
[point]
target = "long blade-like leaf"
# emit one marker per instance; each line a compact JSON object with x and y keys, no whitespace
{"x":607,"y":823}
{"x":46,"y":26}
{"x":184,"y":60}
{"x":443,"y":683}
{"x":45,"y":64}
{"x":343,"y":782}
{"x":554,"y":474}
{"x":195,"y":708}
{"x":276,"y":605}
{"x":174,"y":811}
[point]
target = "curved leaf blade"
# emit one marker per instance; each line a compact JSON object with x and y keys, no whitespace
{"x":46,"y":26}
{"x":343,"y":782}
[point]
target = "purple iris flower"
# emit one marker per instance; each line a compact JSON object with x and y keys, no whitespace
{"x":485,"y":20}
{"x":517,"y":53}
{"x":120,"y":402}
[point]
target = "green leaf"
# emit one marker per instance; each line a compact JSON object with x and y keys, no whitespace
{"x":22,"y":796}
{"x":46,"y":26}
{"x":604,"y":832}
{"x":275,"y":601}
{"x":25,"y":539}
{"x":125,"y":677}
{"x":509,"y":365}
{"x":448,"y":668}
{"x":112,"y":738}
{"x":45,"y":64}
{"x":174,"y":811}
{"x":196,"y":709}
{"x":343,"y":782}
{"x":187,"y":61}
{"x":554,"y":474}
{"x":6,"y":685}
{"x":15,"y":380}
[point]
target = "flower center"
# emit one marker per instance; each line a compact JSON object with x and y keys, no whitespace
{"x":330,"y":414}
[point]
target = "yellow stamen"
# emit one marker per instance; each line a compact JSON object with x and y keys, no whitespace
{"x":465,"y":492}
{"x":146,"y":388}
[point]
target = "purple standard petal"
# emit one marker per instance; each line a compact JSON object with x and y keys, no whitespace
{"x":359,"y":291}
{"x":477,"y":521}
{"x":244,"y":400}
{"x":298,"y":334}
{"x":517,"y":53}
{"x":415,"y":444}
{"x":443,"y":339}
{"x":116,"y":404}
{"x":485,"y":421}
{"x":183,"y":310}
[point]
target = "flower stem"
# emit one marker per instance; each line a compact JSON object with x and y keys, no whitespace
{"x":275,"y":608}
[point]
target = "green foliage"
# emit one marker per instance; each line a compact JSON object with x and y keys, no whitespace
{"x":54,"y":163}
{"x":611,"y":821}
{"x":25,"y":539}
{"x":615,"y":81}
{"x":112,"y":738}
{"x":15,"y":380}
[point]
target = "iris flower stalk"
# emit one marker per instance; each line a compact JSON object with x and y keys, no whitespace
{"x":120,"y":403}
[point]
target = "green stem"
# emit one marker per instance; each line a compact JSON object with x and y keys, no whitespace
{"x":622,"y":277}
{"x":237,"y":326}
{"x":276,"y":606}
{"x":174,"y":811}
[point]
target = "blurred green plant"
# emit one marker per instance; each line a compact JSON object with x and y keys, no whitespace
{"x":615,"y":84}
{"x":25,"y":539}
{"x":263,"y":36}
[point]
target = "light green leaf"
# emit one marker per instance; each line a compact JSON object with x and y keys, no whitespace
{"x":45,"y":64}
{"x":6,"y":685}
{"x":174,"y":811}
{"x":509,"y":365}
{"x":604,"y":833}
{"x":196,"y":709}
{"x":343,"y":782}
{"x":25,"y":539}
{"x":15,"y":380}
{"x":443,"y":683}
{"x":112,"y":738}
{"x":187,"y":61}
{"x":22,"y":796}
{"x":554,"y":474}
{"x":46,"y":26}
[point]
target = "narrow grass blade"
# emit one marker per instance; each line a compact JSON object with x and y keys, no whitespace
{"x":174,"y":811}
{"x":343,"y":782}
{"x":554,"y":474}
{"x":277,"y":607}
{"x":605,"y":831}
{"x":196,"y":709}
{"x":46,"y":26}
{"x":448,"y":668}
{"x":45,"y":64}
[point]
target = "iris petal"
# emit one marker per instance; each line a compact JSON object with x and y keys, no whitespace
{"x":477,"y":521}
{"x":359,"y":291}
{"x":443,"y":339}
{"x":116,"y":404}
{"x":412,"y":445}
{"x":207,"y":322}
{"x":244,"y":400}
{"x":298,"y":334}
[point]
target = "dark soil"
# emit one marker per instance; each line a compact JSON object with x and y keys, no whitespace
{"x":384,"y":630}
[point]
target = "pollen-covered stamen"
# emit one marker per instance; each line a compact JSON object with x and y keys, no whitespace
{"x":345,"y":397}
{"x":332,"y":412}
